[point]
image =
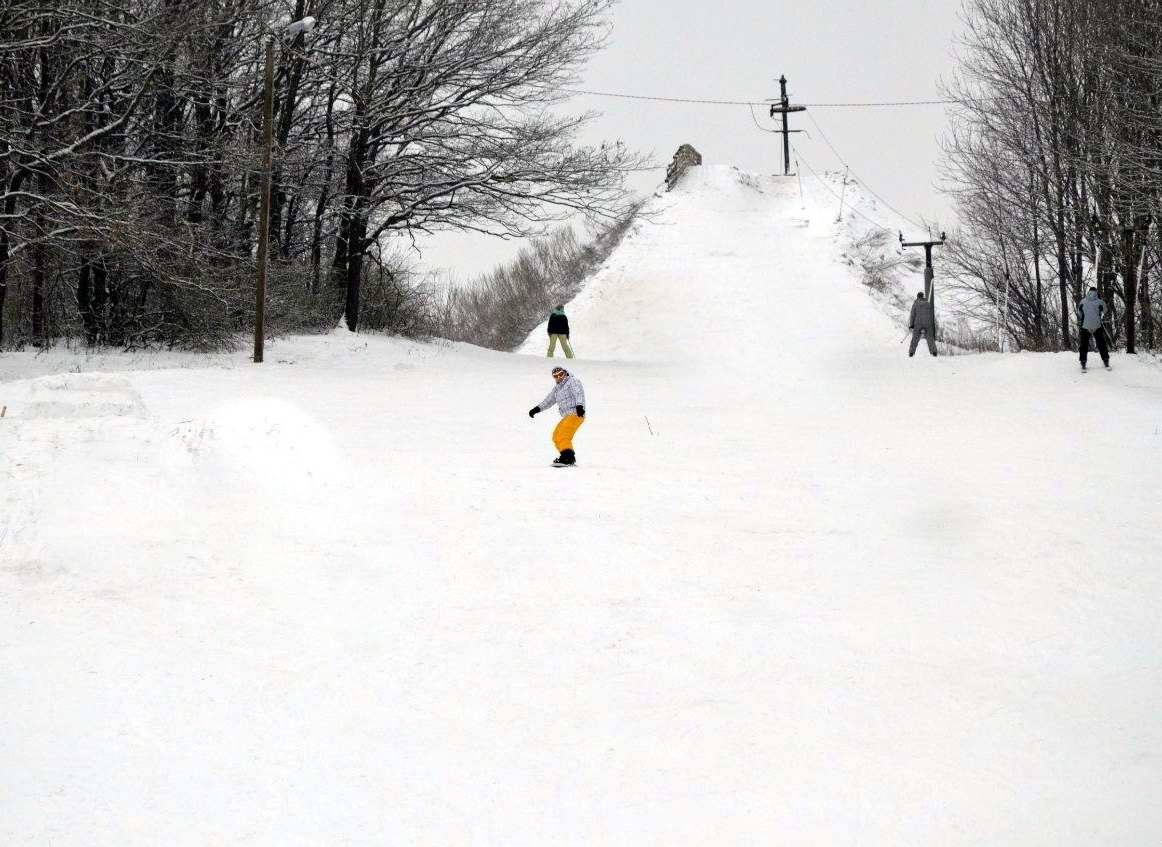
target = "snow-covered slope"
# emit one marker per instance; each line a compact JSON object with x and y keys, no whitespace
{"x":802,"y":589}
{"x":729,"y":266}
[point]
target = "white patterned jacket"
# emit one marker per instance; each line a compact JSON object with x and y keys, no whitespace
{"x":568,"y":394}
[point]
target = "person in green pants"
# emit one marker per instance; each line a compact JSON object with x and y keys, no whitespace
{"x":559,"y":331}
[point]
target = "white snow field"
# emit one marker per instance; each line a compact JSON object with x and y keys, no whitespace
{"x":802,"y":589}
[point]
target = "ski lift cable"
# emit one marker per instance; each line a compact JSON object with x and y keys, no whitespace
{"x":862,"y":181}
{"x":831,"y":191}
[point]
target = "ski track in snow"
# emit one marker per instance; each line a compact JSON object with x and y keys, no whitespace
{"x":801,"y":590}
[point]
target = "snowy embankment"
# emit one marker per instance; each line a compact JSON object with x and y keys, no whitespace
{"x":801,"y":590}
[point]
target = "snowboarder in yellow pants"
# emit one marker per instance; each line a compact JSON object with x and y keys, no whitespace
{"x":569,"y":397}
{"x":564,"y":431}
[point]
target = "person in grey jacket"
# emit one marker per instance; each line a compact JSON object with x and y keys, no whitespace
{"x":569,"y":396}
{"x":922,"y":321}
{"x":1090,"y":311}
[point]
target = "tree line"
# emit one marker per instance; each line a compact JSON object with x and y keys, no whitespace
{"x":499,"y":309}
{"x":1053,"y":157}
{"x":130,"y":159}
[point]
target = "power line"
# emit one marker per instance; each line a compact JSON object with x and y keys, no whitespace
{"x":750,"y":102}
{"x":886,"y":103}
{"x":662,"y":99}
{"x":760,"y":126}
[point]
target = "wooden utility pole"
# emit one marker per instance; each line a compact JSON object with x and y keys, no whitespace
{"x":783,"y":107}
{"x":293,"y":30}
{"x":928,"y":275}
{"x":264,"y":207}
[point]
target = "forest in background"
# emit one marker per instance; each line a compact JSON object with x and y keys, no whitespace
{"x":1054,"y":158}
{"x":131,"y":166}
{"x":131,"y":137}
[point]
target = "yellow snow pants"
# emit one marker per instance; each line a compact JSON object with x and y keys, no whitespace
{"x":564,"y":339}
{"x":566,"y":429}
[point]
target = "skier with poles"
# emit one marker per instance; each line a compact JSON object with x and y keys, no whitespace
{"x":922,"y":321}
{"x":569,"y":396}
{"x":1090,"y":311}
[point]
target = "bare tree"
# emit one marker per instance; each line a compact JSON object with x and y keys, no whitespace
{"x":1052,"y":156}
{"x":449,"y":123}
{"x":96,"y":100}
{"x":128,"y":144}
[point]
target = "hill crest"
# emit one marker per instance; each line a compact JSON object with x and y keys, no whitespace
{"x":731,"y":262}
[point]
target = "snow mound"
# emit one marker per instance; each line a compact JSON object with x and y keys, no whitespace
{"x":90,"y":395}
{"x":261,"y":438}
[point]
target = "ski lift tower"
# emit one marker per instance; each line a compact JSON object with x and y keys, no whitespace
{"x":927,"y":245}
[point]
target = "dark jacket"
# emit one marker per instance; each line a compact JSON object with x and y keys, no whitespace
{"x":558,"y":323}
{"x":922,"y":316}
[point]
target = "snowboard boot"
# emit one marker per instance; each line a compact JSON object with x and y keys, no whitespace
{"x":567,"y":458}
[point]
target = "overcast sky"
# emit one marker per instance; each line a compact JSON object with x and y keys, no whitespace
{"x":831,"y":51}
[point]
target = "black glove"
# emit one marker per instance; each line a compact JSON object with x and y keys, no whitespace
{"x":533,"y":411}
{"x":580,"y":411}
